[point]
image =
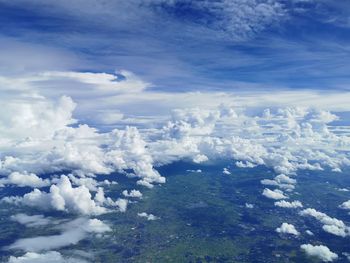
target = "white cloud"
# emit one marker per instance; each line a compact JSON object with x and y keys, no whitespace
{"x":72,"y":233}
{"x":274,"y":194}
{"x":46,"y":257}
{"x":102,"y":81}
{"x":320,"y":251}
{"x":133,"y":193}
{"x":194,"y":171}
{"x":226,"y":171}
{"x":122,"y":204}
{"x":286,"y":228}
{"x":149,"y":217}
{"x":282,"y":181}
{"x":331,"y":225}
{"x":38,"y":136}
{"x":309,"y":233}
{"x":286,"y":204}
{"x":25,"y":179}
{"x":345,"y":205}
{"x":250,"y":206}
{"x":31,"y":221}
{"x":62,"y":197}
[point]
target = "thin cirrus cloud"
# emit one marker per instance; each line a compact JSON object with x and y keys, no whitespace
{"x":219,"y":44}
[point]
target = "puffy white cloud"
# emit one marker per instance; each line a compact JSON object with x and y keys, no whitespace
{"x":282,"y":181}
{"x":286,"y":204}
{"x":274,"y":194}
{"x":286,"y":228}
{"x":133,"y":193}
{"x":46,"y":257}
{"x":62,"y":197}
{"x":330,"y":224}
{"x":149,"y":217}
{"x":226,"y":171}
{"x":40,"y":138}
{"x":309,"y":233}
{"x":25,"y":179}
{"x":336,"y":230}
{"x":198,"y":134}
{"x":250,"y":206}
{"x":31,"y":221}
{"x":96,"y":226}
{"x":345,"y":205}
{"x":128,"y":151}
{"x":72,"y":233}
{"x":122,"y":204}
{"x":322,"y":252}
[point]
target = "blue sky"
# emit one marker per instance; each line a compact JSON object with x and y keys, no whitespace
{"x":183,"y":45}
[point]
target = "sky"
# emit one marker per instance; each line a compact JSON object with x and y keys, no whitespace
{"x":297,"y":50}
{"x":91,"y":87}
{"x":181,"y":45}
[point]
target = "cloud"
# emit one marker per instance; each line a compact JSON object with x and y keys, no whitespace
{"x":62,"y":197}
{"x":194,"y":171}
{"x":235,"y":20}
{"x":25,"y":179}
{"x":100,"y":81}
{"x":72,"y":233}
{"x":286,"y":228}
{"x":55,"y":142}
{"x":331,"y":225}
{"x":226,"y":171}
{"x":250,"y":206}
{"x":274,"y":194}
{"x":122,"y":204}
{"x":133,"y":193}
{"x":345,"y":205}
{"x":149,"y":217}
{"x":282,"y":181}
{"x":31,"y":221}
{"x":320,"y":251}
{"x":286,"y":204}
{"x":46,"y":257}
{"x":309,"y":233}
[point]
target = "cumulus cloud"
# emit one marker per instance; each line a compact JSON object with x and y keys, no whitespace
{"x":42,"y":136}
{"x":286,"y":228}
{"x":50,"y":144}
{"x":25,"y":179}
{"x":226,"y":171}
{"x":282,"y":181}
{"x":62,"y":197}
{"x":322,"y":252}
{"x":122,"y":204}
{"x":330,"y":224}
{"x":345,"y":205}
{"x":72,"y":233}
{"x":133,"y":193}
{"x":46,"y":257}
{"x":149,"y":217}
{"x":274,"y":194}
{"x":286,"y":204}
{"x":250,"y":206}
